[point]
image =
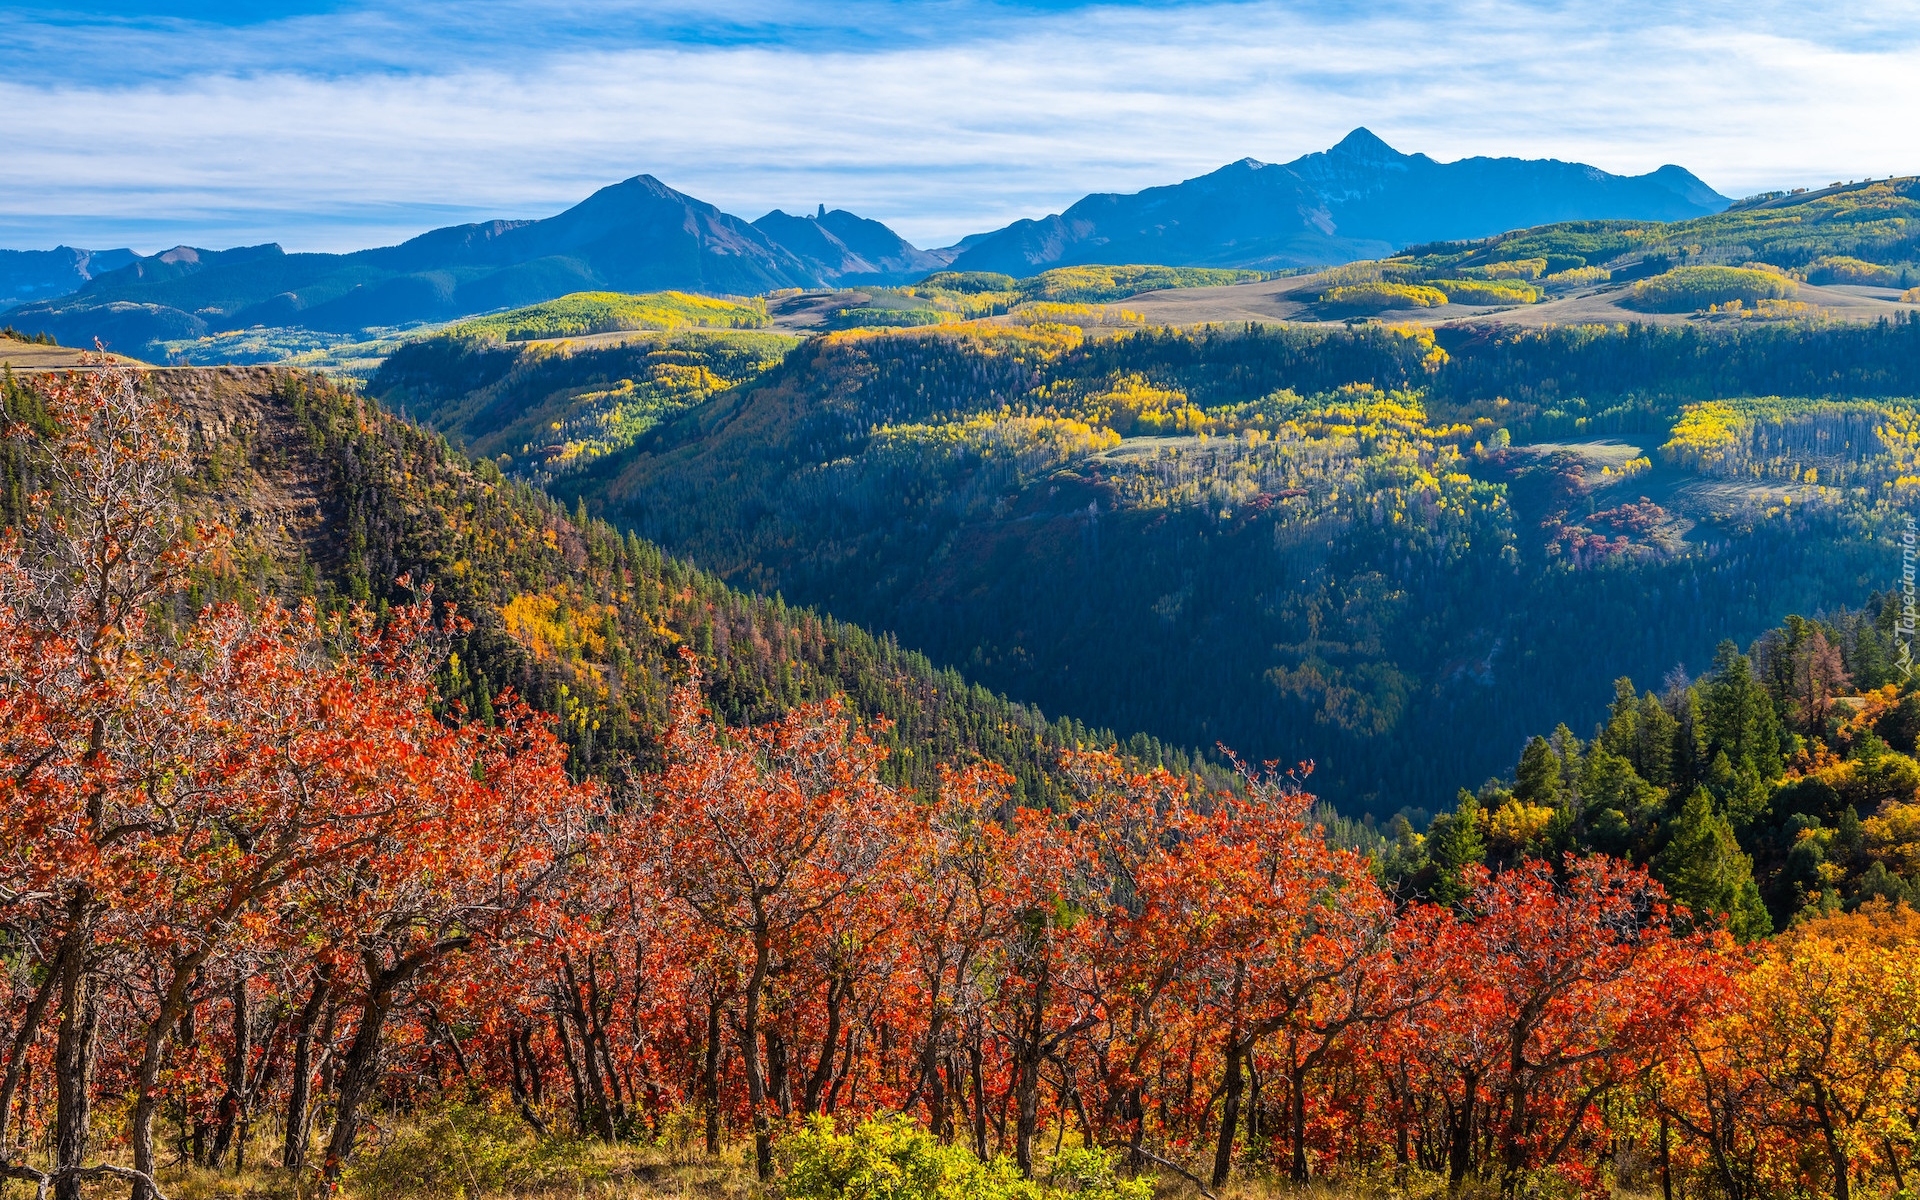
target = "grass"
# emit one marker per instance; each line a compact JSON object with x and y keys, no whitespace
{"x":487,"y":1153}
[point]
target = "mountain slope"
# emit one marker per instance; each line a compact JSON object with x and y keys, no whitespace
{"x":29,"y":275}
{"x":850,"y":249}
{"x":332,"y":497}
{"x":1360,"y":199}
{"x":1305,"y":543}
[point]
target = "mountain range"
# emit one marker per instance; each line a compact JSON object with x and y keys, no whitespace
{"x":1359,"y":199}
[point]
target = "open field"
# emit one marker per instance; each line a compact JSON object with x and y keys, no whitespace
{"x":1292,"y":300}
{"x":29,"y":356}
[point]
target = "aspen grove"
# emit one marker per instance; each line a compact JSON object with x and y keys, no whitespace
{"x":260,"y":880}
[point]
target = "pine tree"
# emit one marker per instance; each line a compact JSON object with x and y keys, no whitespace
{"x":1704,"y":868}
{"x":1537,"y":779}
{"x":1455,"y":843}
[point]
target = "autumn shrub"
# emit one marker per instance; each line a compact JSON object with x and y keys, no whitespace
{"x":888,"y":318}
{"x":1688,"y":289}
{"x":1838,"y":268}
{"x":1910,"y":296}
{"x":1480,"y":291}
{"x":583,"y":313}
{"x":1519,"y":268}
{"x":890,"y":1159}
{"x":1087,"y":1172}
{"x":1379,"y":297}
{"x":470,"y":1151}
{"x":1578,"y":277}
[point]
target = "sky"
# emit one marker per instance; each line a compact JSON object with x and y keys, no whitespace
{"x":334,"y":124}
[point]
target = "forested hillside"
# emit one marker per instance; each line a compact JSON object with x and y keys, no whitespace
{"x":336,"y":499}
{"x":1300,"y":543}
{"x":1843,"y":233}
{"x":295,"y":883}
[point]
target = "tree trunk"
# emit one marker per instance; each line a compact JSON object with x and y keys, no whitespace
{"x":750,"y":1059}
{"x":977,"y":1076}
{"x":293,"y":1154}
{"x":1297,"y":1105}
{"x":710,"y":1076}
{"x":822,"y":1073}
{"x":1235,"y":1086}
{"x":1836,"y":1153}
{"x":1235,"y":1083}
{"x":1460,"y":1138}
{"x":152,"y":1057}
{"x":1666,"y":1162}
{"x":358,"y":1074}
{"x":73,"y":1052}
{"x":235,"y":1098}
{"x":23,"y":1037}
{"x":1028,"y":1051}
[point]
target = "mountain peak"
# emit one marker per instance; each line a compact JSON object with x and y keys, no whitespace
{"x":1363,"y":143}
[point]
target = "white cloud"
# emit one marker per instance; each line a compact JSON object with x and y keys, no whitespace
{"x":956,"y":125}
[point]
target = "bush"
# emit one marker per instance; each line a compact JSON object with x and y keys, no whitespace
{"x":1477,"y":291}
{"x":1910,"y":296}
{"x":1578,"y":277}
{"x":466,"y":1152}
{"x":579,"y":314}
{"x":890,"y":1159}
{"x":969,"y":282}
{"x":888,"y":318}
{"x":1519,"y":268}
{"x":1087,"y":1172}
{"x":1379,"y":297}
{"x":1688,"y":289}
{"x":1836,"y":268}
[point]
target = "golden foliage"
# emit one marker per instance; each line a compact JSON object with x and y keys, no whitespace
{"x":1379,"y":297}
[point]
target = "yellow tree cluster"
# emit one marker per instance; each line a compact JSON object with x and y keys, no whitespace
{"x":1810,"y":1080}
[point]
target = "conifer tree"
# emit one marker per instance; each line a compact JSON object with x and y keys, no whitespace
{"x":1705,"y":869}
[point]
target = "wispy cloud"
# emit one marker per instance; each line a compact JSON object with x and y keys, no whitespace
{"x":350,"y":126}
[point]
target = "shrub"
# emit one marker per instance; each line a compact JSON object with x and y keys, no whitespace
{"x":1098,"y":285}
{"x":466,"y":1152}
{"x":582,"y":313}
{"x":888,"y":318}
{"x":969,"y":282}
{"x":1087,"y":1172}
{"x":1378,"y":297}
{"x":1578,"y":277}
{"x":1519,"y":268}
{"x":1910,"y":296}
{"x":1477,"y":291}
{"x":890,"y":1159}
{"x":1687,"y":289}
{"x":1837,"y":268}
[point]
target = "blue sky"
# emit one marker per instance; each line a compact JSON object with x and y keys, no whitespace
{"x":329,"y":125}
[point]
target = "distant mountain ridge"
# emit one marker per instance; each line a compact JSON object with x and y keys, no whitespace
{"x":29,"y":275}
{"x":1359,"y":199}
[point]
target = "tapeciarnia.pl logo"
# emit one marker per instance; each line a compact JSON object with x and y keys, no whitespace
{"x":1904,"y":629}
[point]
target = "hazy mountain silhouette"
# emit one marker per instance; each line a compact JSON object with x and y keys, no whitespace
{"x":29,"y":275}
{"x":1360,"y":199}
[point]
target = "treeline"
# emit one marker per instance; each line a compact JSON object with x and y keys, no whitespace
{"x":1781,"y":786}
{"x":1873,"y":222}
{"x":260,"y":876}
